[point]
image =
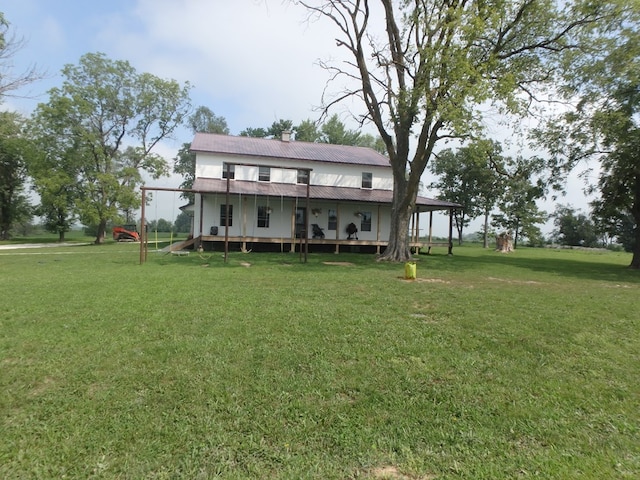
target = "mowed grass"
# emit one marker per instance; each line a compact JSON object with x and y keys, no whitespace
{"x":488,"y":366}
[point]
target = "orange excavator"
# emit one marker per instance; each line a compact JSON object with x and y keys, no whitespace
{"x":126,"y":233}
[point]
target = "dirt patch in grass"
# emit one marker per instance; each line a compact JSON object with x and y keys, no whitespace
{"x":340,"y":264}
{"x":424,"y":280}
{"x":390,"y":472}
{"x":507,"y":280}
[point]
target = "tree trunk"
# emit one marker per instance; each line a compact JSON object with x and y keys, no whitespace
{"x":401,"y":208}
{"x":100,"y":236}
{"x":486,"y":229}
{"x":61,"y":236}
{"x":635,"y":212}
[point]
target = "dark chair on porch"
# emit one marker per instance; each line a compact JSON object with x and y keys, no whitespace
{"x":317,"y":231}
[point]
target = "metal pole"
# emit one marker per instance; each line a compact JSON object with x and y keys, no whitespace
{"x":226,"y":217}
{"x":306,"y":227}
{"x":143,"y":236}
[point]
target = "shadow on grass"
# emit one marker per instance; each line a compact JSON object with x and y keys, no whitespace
{"x":573,"y":264}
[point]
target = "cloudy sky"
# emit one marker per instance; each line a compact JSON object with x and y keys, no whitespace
{"x":250,"y":61}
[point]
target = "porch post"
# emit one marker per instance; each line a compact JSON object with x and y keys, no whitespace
{"x":430,"y":231}
{"x":226,"y":216}
{"x":451,"y":231}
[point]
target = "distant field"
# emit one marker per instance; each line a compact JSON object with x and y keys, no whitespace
{"x":486,"y":366}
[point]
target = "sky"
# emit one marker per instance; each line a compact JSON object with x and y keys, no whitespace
{"x":252,"y":62}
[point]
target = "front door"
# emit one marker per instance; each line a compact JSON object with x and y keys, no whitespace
{"x":301,"y":222}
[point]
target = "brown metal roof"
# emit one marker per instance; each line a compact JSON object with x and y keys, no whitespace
{"x":316,"y":192}
{"x":261,"y":147}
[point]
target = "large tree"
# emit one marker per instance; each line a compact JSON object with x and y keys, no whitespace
{"x":423,"y":68}
{"x":184,"y":163}
{"x":14,"y":156}
{"x":473,"y":176}
{"x":110,"y":118}
{"x":519,"y":213}
{"x":604,"y":124}
{"x":573,"y":227}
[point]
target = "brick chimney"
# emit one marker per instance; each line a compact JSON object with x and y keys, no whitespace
{"x":286,"y":136}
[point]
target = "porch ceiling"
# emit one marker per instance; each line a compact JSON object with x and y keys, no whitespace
{"x":316,"y":192}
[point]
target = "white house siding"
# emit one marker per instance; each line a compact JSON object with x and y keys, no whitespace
{"x":245,"y":217}
{"x":327,"y":174}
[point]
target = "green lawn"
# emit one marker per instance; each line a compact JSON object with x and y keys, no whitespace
{"x":488,"y":366}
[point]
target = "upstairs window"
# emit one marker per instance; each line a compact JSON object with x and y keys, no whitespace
{"x":264,"y":174}
{"x":367,"y":180}
{"x":303,"y":176}
{"x":232,"y":171}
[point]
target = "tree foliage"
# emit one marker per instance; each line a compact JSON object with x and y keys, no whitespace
{"x":574,"y":228}
{"x":14,"y":155}
{"x":424,"y":78}
{"x":518,"y":209}
{"x":473,"y":176}
{"x":184,"y":163}
{"x":604,"y":89}
{"x":109,"y":118}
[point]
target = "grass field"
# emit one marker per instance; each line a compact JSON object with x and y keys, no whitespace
{"x":487,"y":366}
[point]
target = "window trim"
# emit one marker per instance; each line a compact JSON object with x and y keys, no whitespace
{"x":261,"y":175}
{"x":306,"y":174}
{"x":265,"y":217}
{"x":223,"y":214}
{"x":366,"y":220}
{"x":368,"y":182}
{"x":232,"y":170}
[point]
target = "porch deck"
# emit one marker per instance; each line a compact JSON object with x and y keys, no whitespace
{"x":288,"y":244}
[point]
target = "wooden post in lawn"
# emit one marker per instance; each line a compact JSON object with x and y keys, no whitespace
{"x":451,"y":231}
{"x":143,"y":236}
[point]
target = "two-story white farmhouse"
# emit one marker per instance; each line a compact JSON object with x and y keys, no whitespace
{"x":280,"y":193}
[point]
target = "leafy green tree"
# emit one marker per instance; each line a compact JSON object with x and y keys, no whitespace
{"x":438,"y":64}
{"x":307,"y":131}
{"x":473,"y":176}
{"x":604,"y":86}
{"x":184,"y":163}
{"x":164,"y":225}
{"x":112,"y":117}
{"x":573,"y":228}
{"x":335,"y":132}
{"x":518,"y":210}
{"x":276,"y":128}
{"x":14,"y":156}
{"x":182,"y":223}
{"x":254,"y":132}
{"x":204,"y":120}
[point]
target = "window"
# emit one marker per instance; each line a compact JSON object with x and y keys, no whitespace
{"x":333,"y":220}
{"x":303,"y":176}
{"x":264,"y":174}
{"x":367,"y":180}
{"x":232,"y":171}
{"x":263,"y":217}
{"x":223,"y":215}
{"x":365,"y":222}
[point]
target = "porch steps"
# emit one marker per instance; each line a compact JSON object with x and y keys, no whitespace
{"x":178,"y":248}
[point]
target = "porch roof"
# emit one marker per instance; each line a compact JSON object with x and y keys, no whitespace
{"x":316,"y":192}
